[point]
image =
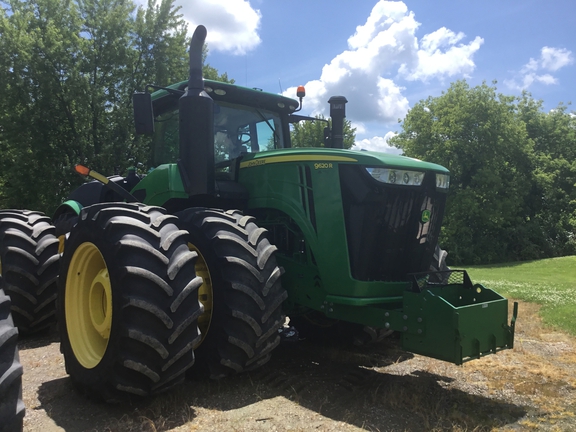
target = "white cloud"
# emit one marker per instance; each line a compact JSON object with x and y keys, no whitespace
{"x":433,"y":62}
{"x":232,"y":24}
{"x":379,"y":144}
{"x":394,"y":11}
{"x":550,"y":60}
{"x":555,"y":58}
{"x":382,"y":52}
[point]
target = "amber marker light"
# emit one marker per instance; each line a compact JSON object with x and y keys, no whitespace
{"x":81,"y":169}
{"x":85,"y":171}
{"x":301,"y":91}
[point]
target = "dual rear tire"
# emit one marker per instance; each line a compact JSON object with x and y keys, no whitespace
{"x":242,"y":294}
{"x":29,"y":268}
{"x":127,"y":302}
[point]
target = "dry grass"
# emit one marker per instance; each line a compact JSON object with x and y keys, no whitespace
{"x":328,"y":387}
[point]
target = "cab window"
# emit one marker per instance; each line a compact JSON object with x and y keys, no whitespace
{"x":238,"y":129}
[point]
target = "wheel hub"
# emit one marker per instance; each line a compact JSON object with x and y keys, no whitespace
{"x":205,"y":293}
{"x":100,"y":303}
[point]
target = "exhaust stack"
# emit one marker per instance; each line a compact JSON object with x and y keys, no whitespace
{"x":196,"y":108}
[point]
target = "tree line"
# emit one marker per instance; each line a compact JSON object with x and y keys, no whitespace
{"x":513,"y":172}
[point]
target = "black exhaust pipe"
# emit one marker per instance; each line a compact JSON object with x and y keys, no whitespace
{"x":338,"y":114}
{"x":196,"y":161}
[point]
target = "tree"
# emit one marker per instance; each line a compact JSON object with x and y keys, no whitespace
{"x":308,"y":133}
{"x":554,"y":198}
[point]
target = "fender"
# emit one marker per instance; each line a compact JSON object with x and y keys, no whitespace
{"x":69,"y":206}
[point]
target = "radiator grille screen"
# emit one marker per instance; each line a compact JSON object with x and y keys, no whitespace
{"x":391,"y":230}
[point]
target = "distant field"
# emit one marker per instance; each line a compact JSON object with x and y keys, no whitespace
{"x":549,"y":282}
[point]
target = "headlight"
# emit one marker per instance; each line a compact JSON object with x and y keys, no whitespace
{"x":396,"y":176}
{"x":442,"y":181}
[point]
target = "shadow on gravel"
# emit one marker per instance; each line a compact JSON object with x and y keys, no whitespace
{"x":38,"y":340}
{"x":339,"y":383}
{"x":334,"y":381}
{"x":73,"y":411}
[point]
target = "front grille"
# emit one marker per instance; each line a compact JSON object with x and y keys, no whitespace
{"x":387,"y":239}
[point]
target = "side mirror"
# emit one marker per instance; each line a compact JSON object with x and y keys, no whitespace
{"x":143,"y":113}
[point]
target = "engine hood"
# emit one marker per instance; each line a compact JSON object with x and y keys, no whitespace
{"x":365,"y":158}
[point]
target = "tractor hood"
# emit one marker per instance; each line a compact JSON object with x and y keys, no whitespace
{"x":321,"y":155}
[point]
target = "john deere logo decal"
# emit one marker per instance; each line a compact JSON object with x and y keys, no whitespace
{"x":426,"y":214}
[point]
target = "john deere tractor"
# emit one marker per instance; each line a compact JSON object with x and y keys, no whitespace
{"x":195,"y":265}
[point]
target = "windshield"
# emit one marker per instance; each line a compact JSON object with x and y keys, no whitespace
{"x":238,"y":129}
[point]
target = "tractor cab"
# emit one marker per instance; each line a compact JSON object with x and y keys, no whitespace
{"x":243,"y":122}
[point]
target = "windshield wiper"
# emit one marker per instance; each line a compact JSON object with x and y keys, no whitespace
{"x":276,"y":137}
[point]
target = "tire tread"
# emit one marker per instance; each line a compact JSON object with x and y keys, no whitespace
{"x":30,"y":262}
{"x":152,"y":346}
{"x":248,"y":296}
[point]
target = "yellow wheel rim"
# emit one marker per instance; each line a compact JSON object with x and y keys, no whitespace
{"x":88,"y":305}
{"x":205,"y":293}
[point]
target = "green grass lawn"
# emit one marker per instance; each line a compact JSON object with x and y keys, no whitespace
{"x":549,"y":282}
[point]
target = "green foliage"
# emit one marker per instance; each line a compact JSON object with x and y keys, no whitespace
{"x":311,"y":133}
{"x":512,"y":172}
{"x":549,"y":282}
{"x":68,"y":69}
{"x":554,"y":194}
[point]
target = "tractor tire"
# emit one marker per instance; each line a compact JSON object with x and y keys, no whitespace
{"x":11,"y":405}
{"x":29,"y":262}
{"x":127,"y":302}
{"x":242,"y":294}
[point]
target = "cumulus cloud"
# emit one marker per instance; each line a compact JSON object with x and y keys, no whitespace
{"x":381,"y":53}
{"x":441,"y":55}
{"x":553,"y":59}
{"x":377,"y":143}
{"x":538,"y":70}
{"x":232,"y":24}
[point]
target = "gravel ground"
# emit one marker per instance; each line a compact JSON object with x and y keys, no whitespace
{"x":324,"y":386}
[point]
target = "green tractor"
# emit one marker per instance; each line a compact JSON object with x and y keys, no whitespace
{"x":194,"y":266}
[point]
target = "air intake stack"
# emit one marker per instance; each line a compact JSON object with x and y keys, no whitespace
{"x":338,"y":114}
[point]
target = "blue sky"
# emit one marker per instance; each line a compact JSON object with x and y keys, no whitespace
{"x":385,"y":56}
